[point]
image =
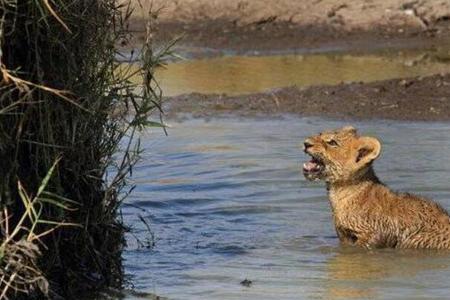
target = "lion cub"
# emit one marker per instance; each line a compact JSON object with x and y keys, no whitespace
{"x":365,"y":211}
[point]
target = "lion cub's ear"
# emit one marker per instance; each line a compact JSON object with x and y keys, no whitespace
{"x":349,"y":129}
{"x":369,"y":149}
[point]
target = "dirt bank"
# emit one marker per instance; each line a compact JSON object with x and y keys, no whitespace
{"x":418,"y":99}
{"x":264,"y":25}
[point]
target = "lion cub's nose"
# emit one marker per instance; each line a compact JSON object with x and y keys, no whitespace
{"x":307,"y":145}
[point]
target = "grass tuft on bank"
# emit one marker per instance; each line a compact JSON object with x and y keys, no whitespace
{"x":69,"y":117}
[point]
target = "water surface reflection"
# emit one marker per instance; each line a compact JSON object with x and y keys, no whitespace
{"x":250,"y":74}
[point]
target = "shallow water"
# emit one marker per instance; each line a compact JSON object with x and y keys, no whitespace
{"x":226,"y":201}
{"x":249,"y":74}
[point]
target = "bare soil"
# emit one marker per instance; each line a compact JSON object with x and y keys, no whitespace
{"x":266,"y":25}
{"x":415,"y":99}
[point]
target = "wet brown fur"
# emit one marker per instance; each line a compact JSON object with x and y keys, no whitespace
{"x":365,"y":211}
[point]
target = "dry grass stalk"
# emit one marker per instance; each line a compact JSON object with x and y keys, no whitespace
{"x":19,"y":250}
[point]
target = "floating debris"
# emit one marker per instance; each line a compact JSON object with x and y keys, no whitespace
{"x":246,"y":282}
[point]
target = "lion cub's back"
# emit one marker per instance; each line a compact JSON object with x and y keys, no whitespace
{"x":422,"y":223}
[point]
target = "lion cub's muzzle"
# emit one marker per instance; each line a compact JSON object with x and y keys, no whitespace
{"x":313,"y":169}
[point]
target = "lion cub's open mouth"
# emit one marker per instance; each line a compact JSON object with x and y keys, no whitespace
{"x":314,"y":167}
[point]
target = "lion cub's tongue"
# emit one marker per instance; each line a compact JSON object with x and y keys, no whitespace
{"x":310,"y":166}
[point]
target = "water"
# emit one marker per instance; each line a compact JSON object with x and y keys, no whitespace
{"x":226,"y":201}
{"x":249,"y":74}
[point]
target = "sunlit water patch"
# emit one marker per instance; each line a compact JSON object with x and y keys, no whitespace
{"x":225,"y":202}
{"x":249,"y":74}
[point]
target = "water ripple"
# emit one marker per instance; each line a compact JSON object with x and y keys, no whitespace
{"x":235,"y":206}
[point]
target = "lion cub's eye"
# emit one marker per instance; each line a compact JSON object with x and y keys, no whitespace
{"x":332,"y":143}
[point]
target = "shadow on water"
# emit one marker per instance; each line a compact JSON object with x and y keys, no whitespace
{"x":226,"y":201}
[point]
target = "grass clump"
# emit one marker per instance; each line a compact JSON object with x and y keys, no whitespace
{"x":19,"y":250}
{"x":65,"y":97}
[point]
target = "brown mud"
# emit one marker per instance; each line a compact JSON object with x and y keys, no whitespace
{"x":414,"y":99}
{"x":246,"y":26}
{"x":261,"y":27}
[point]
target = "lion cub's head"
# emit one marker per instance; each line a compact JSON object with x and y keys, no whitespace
{"x":339,"y":155}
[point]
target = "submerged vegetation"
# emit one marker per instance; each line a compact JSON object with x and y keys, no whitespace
{"x":68,"y":119}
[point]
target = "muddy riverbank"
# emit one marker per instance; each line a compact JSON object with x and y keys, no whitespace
{"x":418,"y":99}
{"x":262,"y":26}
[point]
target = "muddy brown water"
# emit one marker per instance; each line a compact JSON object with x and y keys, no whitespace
{"x":235,"y":75}
{"x":226,"y":201}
